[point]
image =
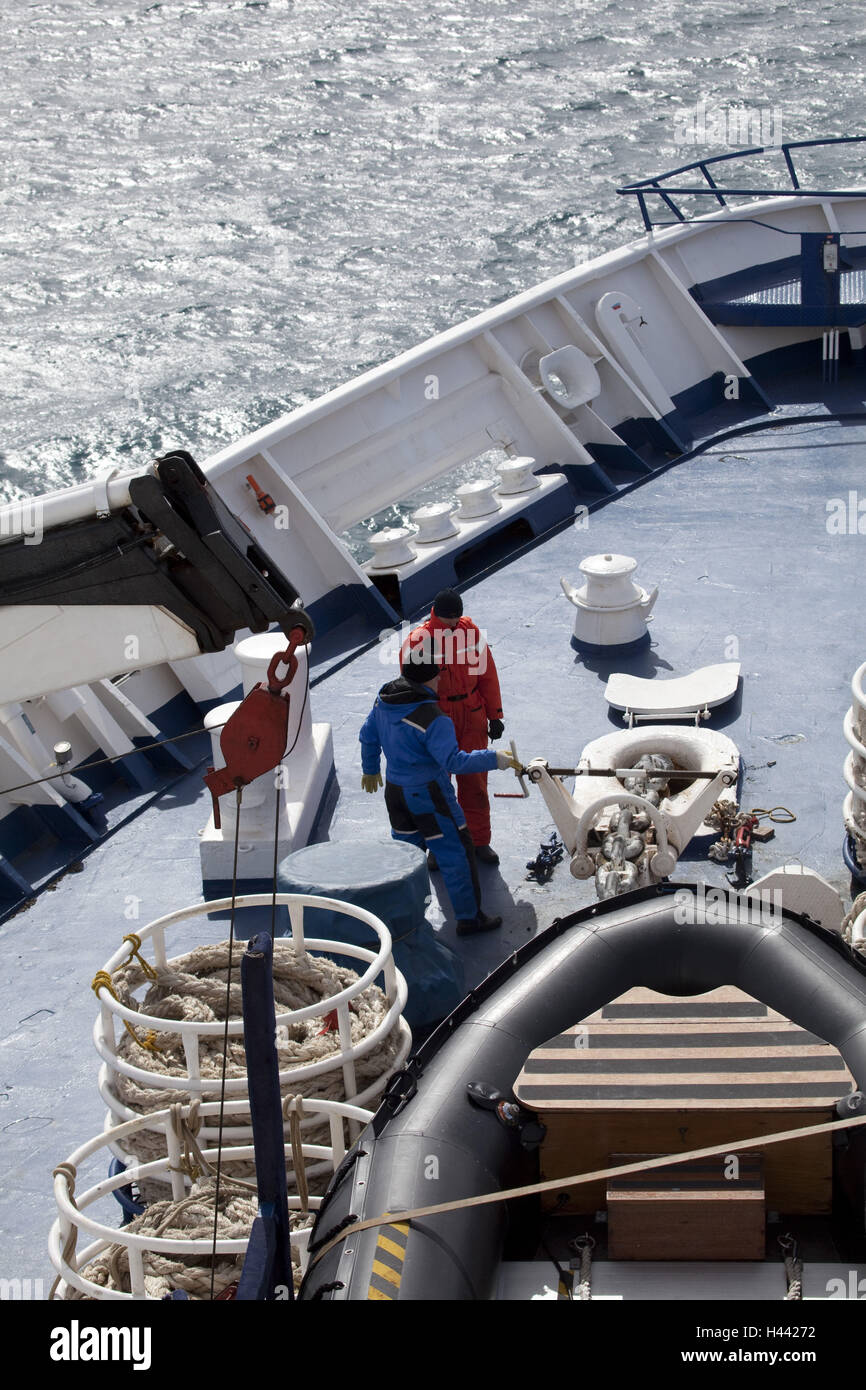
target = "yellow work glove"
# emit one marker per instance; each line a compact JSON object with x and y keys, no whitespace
{"x":371,"y":781}
{"x":504,"y":761}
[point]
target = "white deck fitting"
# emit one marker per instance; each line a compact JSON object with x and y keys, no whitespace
{"x":619,"y":318}
{"x":517,"y":475}
{"x":684,"y":697}
{"x":675,"y":1280}
{"x":434,"y":523}
{"x":612,"y":610}
{"x":698,"y":749}
{"x":511,"y":504}
{"x":308,"y":772}
{"x":800,"y":890}
{"x":569,"y":376}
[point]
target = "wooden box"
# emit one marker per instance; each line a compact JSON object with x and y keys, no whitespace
{"x":709,"y":1209}
{"x":653,"y":1073}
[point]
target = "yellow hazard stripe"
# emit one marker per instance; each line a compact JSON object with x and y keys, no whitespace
{"x":393,"y":1244}
{"x":399,"y":1251}
{"x":393,"y":1276}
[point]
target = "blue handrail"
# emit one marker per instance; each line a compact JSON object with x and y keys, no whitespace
{"x":658,"y":186}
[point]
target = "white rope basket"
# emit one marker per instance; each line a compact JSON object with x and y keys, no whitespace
{"x":75,"y":1215}
{"x":854,"y":810}
{"x":337,"y":1070}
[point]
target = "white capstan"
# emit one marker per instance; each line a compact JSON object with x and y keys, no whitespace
{"x":611,"y":609}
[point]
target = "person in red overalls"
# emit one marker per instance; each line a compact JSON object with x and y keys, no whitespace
{"x":468,"y":692}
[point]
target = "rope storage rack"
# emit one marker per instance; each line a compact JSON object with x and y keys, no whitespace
{"x":171,"y":1245}
{"x":340,"y":1040}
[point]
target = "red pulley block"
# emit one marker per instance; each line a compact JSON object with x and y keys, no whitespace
{"x":254,"y":739}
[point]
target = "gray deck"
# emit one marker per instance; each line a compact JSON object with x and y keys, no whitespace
{"x":737,"y":541}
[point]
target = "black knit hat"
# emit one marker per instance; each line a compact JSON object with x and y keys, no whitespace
{"x":417,"y":667}
{"x":448,"y":604}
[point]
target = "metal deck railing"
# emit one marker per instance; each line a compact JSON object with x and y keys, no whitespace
{"x":659,"y":187}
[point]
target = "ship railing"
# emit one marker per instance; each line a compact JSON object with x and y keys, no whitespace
{"x":113,"y":1015}
{"x":74,"y":1210}
{"x":659,"y":187}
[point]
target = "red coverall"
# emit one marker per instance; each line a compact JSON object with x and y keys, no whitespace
{"x":468,"y":692}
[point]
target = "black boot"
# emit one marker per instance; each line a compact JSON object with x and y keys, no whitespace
{"x":468,"y":926}
{"x":485,"y":855}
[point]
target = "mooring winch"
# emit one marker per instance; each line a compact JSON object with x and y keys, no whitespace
{"x":639,"y":797}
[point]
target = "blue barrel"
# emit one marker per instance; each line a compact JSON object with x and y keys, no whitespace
{"x":390,"y":880}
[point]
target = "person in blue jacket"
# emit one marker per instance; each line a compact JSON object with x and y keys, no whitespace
{"x":420,"y":747}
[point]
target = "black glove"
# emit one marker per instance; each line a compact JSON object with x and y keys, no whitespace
{"x":495,"y":728}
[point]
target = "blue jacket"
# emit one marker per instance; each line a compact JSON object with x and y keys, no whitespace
{"x":418,"y":740}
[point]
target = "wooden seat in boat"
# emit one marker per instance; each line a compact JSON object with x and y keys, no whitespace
{"x":652,"y":1073}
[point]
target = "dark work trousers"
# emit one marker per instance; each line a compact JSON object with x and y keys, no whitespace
{"x":429,"y":817}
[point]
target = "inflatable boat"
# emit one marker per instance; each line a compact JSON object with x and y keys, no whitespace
{"x":452,"y":1126}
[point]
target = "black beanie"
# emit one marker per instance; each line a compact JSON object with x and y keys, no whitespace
{"x":417,"y":667}
{"x":448,"y":604}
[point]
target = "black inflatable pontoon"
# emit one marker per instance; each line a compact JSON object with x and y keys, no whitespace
{"x":429,"y":1143}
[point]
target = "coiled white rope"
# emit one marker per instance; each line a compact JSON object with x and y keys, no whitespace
{"x":193,"y":988}
{"x":190,"y":1219}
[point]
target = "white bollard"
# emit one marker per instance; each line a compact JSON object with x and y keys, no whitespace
{"x":477,"y":500}
{"x":435,"y":523}
{"x":391,"y":548}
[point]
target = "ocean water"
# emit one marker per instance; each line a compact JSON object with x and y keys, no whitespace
{"x":213,"y":211}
